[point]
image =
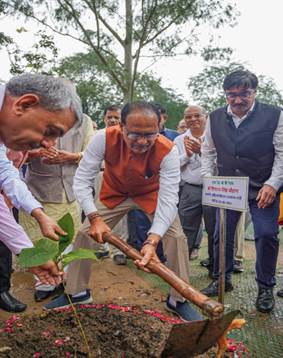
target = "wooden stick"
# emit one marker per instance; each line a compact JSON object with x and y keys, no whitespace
{"x":208,"y":306}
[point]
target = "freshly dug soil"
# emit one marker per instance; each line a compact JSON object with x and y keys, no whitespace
{"x":111,"y":331}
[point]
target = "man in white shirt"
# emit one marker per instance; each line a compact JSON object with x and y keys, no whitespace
{"x":191,"y":209}
{"x":246,"y":139}
{"x":141,"y":171}
{"x":34,"y":111}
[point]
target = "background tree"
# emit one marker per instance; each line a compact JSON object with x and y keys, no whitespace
{"x":97,"y":91}
{"x":120,"y":33}
{"x":206,"y":87}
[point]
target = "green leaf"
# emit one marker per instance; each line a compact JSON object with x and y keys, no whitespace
{"x":78,"y":255}
{"x":42,"y":251}
{"x":66,"y":223}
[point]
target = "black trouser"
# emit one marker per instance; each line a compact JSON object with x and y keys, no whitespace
{"x":5,"y":267}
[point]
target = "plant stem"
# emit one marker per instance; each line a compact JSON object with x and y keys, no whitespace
{"x":79,"y":322}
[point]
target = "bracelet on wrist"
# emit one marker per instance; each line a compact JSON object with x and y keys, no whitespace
{"x":93,"y":216}
{"x":151,"y":242}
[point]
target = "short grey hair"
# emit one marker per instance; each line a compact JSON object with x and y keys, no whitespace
{"x":54,"y":93}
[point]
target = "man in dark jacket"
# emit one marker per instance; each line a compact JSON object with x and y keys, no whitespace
{"x":245,"y":139}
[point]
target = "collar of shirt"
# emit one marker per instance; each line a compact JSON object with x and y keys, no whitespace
{"x":2,"y":95}
{"x":189,"y":133}
{"x":237,"y":120}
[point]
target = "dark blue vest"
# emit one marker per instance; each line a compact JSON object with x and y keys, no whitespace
{"x":247,"y":150}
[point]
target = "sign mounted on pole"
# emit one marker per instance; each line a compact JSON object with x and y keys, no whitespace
{"x":226,"y":192}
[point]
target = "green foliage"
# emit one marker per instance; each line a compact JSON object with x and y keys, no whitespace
{"x":78,"y":254}
{"x":45,"y":249}
{"x":40,"y":58}
{"x":42,"y":251}
{"x":97,"y":91}
{"x":150,"y":89}
{"x":94,"y":87}
{"x":66,"y":223}
{"x":120,"y":32}
{"x":206,"y":87}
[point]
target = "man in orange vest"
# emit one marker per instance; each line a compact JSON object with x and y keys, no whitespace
{"x":142,"y":171}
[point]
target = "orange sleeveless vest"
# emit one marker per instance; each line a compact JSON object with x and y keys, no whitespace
{"x":130,"y":175}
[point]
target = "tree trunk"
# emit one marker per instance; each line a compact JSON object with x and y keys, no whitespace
{"x":128,"y":67}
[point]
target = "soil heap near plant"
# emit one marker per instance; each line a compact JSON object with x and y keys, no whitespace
{"x":111,"y":331}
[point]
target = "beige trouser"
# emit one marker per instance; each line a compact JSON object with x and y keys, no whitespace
{"x":244,"y":222}
{"x":240,"y":238}
{"x":121,"y":229}
{"x":174,"y":246}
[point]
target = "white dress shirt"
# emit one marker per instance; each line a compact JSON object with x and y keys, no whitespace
{"x":209,"y":154}
{"x":190,"y":166}
{"x":169,"y":174}
{"x":12,"y":234}
{"x":10,"y":180}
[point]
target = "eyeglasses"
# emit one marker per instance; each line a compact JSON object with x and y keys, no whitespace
{"x":244,"y":94}
{"x":137,"y":136}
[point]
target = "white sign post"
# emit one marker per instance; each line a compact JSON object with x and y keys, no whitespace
{"x":225,"y":193}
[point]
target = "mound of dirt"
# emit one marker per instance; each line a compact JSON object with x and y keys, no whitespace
{"x":110,"y":331}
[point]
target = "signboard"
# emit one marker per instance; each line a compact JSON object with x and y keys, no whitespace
{"x":226,"y":192}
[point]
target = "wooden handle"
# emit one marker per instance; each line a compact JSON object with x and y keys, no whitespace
{"x":208,"y":306}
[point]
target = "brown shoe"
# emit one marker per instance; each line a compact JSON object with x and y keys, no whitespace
{"x":194,"y":254}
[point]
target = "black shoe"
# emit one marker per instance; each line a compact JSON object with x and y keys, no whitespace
{"x":120,"y":259}
{"x":265,"y":300}
{"x":102,"y":254}
{"x":205,"y":263}
{"x":238,"y":267}
{"x":10,"y":303}
{"x":280,"y":293}
{"x":212,"y":288}
{"x":40,"y":295}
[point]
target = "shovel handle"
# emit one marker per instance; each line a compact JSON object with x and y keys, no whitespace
{"x":209,"y":307}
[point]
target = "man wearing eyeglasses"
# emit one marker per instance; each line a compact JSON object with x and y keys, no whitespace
{"x":142,"y":171}
{"x":245,"y":138}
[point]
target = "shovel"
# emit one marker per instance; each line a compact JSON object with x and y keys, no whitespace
{"x":186,"y":339}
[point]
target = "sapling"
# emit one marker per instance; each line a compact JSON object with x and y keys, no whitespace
{"x":46,"y":249}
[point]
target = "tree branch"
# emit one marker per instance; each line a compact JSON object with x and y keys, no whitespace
{"x":93,"y":8}
{"x":113,"y":32}
{"x":141,"y":43}
{"x":162,"y":30}
{"x":90,"y":43}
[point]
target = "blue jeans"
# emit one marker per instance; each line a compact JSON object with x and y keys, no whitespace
{"x":266,"y":242}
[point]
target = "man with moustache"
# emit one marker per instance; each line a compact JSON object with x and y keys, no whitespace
{"x":191,"y":209}
{"x":245,"y":138}
{"x":34,"y":111}
{"x":142,"y":171}
{"x":112,"y":116}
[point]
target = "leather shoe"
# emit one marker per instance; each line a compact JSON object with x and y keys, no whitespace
{"x":280,"y":293}
{"x":194,"y":254}
{"x":265,"y":300}
{"x":212,"y":288}
{"x":10,"y":303}
{"x":205,"y":262}
{"x":238,"y":267}
{"x":120,"y":259}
